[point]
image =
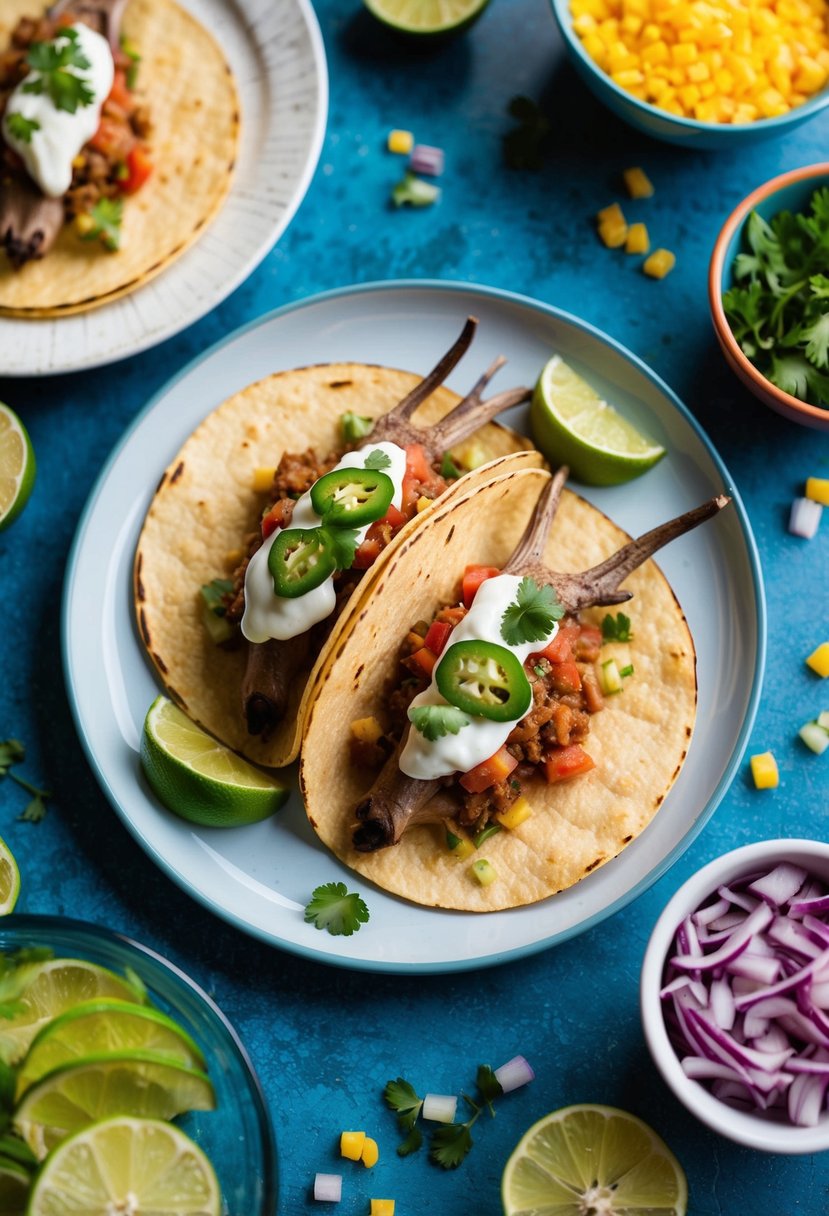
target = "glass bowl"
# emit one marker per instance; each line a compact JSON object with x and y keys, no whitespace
{"x":237,"y":1136}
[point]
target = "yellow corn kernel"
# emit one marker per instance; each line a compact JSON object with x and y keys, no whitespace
{"x":370,"y":1154}
{"x":817,"y":488}
{"x":400,"y":141}
{"x":367,"y":730}
{"x":613,"y":235}
{"x":637,"y":241}
{"x":684,"y":53}
{"x":84,"y":223}
{"x":262,"y":479}
{"x":585,"y":23}
{"x":515,"y":814}
{"x":655,"y":53}
{"x":631,"y":24}
{"x":810,"y":75}
{"x":698,"y":72}
{"x":382,"y":1207}
{"x":79,"y":161}
{"x":232,"y":558}
{"x":629,"y":78}
{"x":689,"y":95}
{"x":638,"y":183}
{"x":764,"y":771}
{"x":351,"y":1145}
{"x":818,"y":660}
{"x":423,"y":502}
{"x":660,"y":263}
{"x":611,"y":215}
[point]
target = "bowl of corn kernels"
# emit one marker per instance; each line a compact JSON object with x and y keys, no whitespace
{"x":702,"y":74}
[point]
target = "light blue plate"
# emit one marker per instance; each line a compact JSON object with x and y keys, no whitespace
{"x":260,"y":877}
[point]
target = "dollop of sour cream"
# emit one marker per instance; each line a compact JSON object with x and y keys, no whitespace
{"x":481,"y":738}
{"x":59,"y":136}
{"x":268,"y":615}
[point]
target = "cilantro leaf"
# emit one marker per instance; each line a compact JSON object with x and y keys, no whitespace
{"x":106,"y":218}
{"x":332,"y":907}
{"x":35,"y":809}
{"x":20,"y":127}
{"x":12,"y":752}
{"x":411,"y":1143}
{"x":52,"y":61}
{"x":344,"y":546}
{"x":616,"y":628}
{"x":450,"y":1144}
{"x":816,"y":336}
{"x":414,"y":191}
{"x":437,"y":721}
{"x":377,"y":460}
{"x":488,"y":1084}
{"x":530,"y":618}
{"x":402,"y":1097}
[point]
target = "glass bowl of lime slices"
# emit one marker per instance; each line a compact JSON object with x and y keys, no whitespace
{"x":123,"y":1081}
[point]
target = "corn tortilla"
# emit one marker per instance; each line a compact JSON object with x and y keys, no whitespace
{"x":205,"y":506}
{"x":638,"y":741}
{"x":194,"y":110}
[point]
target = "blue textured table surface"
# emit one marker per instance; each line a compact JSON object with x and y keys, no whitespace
{"x":326,"y":1041}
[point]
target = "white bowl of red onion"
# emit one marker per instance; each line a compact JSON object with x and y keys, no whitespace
{"x":735,"y":995}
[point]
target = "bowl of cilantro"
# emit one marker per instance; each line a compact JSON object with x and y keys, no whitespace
{"x":768,"y":289}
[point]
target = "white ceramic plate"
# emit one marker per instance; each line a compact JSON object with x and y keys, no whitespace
{"x":276,"y":52}
{"x":261,"y":877}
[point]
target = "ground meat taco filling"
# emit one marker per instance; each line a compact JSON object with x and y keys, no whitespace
{"x":547,"y":742}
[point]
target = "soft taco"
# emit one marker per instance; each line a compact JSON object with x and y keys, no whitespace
{"x":119,"y":125}
{"x":347,"y":458}
{"x":487,"y":735}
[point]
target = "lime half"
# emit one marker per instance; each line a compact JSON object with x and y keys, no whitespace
{"x":593,"y":1159}
{"x":200,"y":779}
{"x":9,"y":879}
{"x":17,"y":466}
{"x":573,"y":425}
{"x":139,"y":1083}
{"x":127,"y":1165}
{"x":427,"y":17}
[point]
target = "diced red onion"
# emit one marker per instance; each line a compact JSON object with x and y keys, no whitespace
{"x":328,"y":1188}
{"x":440,"y":1108}
{"x":779,"y":886}
{"x":426,"y":159}
{"x":704,"y":916}
{"x":515,"y":1073}
{"x":801,"y":907}
{"x":804,"y":517}
{"x":722,"y":1004}
{"x":740,"y":940}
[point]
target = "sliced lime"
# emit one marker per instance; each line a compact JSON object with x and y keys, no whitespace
{"x":127,"y":1165}
{"x":427,"y":17}
{"x":200,"y":779}
{"x":138,"y":1083}
{"x":14,"y":1187}
{"x":17,"y":466}
{"x":94,"y":1027}
{"x":9,"y":879}
{"x":592,"y":1159}
{"x":37,"y":992}
{"x":573,"y":425}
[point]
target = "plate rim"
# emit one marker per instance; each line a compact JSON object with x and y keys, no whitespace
{"x":202,"y":307}
{"x":647,"y":881}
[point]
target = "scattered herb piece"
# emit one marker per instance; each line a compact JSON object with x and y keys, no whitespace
{"x":436,"y":721}
{"x":344,"y":546}
{"x":213,"y":594}
{"x":448,"y":468}
{"x":491,"y":829}
{"x":626,"y":671}
{"x":415,"y":192}
{"x":523,"y":144}
{"x":451,"y":1143}
{"x":20,"y":127}
{"x":51,"y":60}
{"x":13,"y":752}
{"x":131,"y":51}
{"x":616,"y":628}
{"x":539,"y":670}
{"x":377,"y":460}
{"x":334,"y":908}
{"x":355,"y":426}
{"x":106,"y":217}
{"x":532,"y":615}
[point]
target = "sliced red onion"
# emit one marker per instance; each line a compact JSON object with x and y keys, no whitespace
{"x":440,"y":1108}
{"x":763,"y":970}
{"x":328,"y":1188}
{"x":704,"y":916}
{"x":773,"y":1039}
{"x":515,"y":1073}
{"x":792,"y":981}
{"x":792,"y":936}
{"x":740,"y":939}
{"x":723,"y":1007}
{"x":729,"y":920}
{"x":686,"y":981}
{"x":738,"y":898}
{"x":806,"y":1099}
{"x":779,"y":886}
{"x":800,"y":907}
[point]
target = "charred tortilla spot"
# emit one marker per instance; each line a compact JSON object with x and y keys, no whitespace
{"x":139,"y":586}
{"x":688,"y":732}
{"x":144,"y":627}
{"x":161,"y":481}
{"x":451,"y":534}
{"x":339,"y":383}
{"x":661,"y":796}
{"x":159,"y":662}
{"x":626,"y":839}
{"x":593,"y":865}
{"x":177,"y":472}
{"x":359,"y":671}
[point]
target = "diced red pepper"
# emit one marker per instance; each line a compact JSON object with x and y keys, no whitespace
{"x":560,"y":649}
{"x":473,"y":576}
{"x":567,"y":762}
{"x":436,"y":636}
{"x":119,"y":93}
{"x":489,"y":772}
{"x":277,"y":516}
{"x":139,"y":168}
{"x":422,"y":662}
{"x":565,"y":677}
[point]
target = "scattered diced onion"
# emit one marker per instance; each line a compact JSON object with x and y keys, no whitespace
{"x":515,"y":1073}
{"x":440,"y":1108}
{"x":805,"y":517}
{"x":328,"y":1188}
{"x":815,"y":737}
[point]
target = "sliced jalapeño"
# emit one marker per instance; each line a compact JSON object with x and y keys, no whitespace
{"x":485,"y":680}
{"x":299,"y":560}
{"x":349,"y":498}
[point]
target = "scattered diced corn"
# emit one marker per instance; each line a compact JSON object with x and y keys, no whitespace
{"x":367,"y":730}
{"x":401,"y":142}
{"x":370,"y":1154}
{"x":613,"y":229}
{"x":764,"y":771}
{"x":637,"y":239}
{"x":660,"y":263}
{"x":79,"y":161}
{"x":423,"y":502}
{"x":351,"y":1145}
{"x":817,"y":488}
{"x":382,"y":1207}
{"x":263,"y":479}
{"x":637,"y":181}
{"x":515,"y":814}
{"x":483,"y":872}
{"x":818,"y":660}
{"x":84,"y":223}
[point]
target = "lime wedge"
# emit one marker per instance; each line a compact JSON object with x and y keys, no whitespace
{"x":427,"y":17}
{"x":14,"y":1188}
{"x":40,"y":991}
{"x":573,"y":425}
{"x":592,"y":1159}
{"x":200,"y":779}
{"x":139,"y":1083}
{"x":9,"y":882}
{"x":101,"y":1026}
{"x":127,"y":1165}
{"x":17,"y":466}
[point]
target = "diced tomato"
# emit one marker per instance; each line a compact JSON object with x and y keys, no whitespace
{"x":422,"y":662}
{"x":567,"y":762}
{"x":473,"y":576}
{"x":490,"y":772}
{"x":276,"y":516}
{"x":394,"y":518}
{"x":566,"y":676}
{"x":453,"y":615}
{"x":590,"y":634}
{"x":367,"y":553}
{"x":417,"y":466}
{"x":113,"y":139}
{"x":119,"y":93}
{"x":436,"y":636}
{"x":560,"y":650}
{"x":139,"y":168}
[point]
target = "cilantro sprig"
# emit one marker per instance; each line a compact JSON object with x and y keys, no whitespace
{"x":450,"y":1142}
{"x":437,"y":721}
{"x":52,"y":62}
{"x":333,"y":907}
{"x":531,"y":616}
{"x":778,"y":308}
{"x":20,"y":127}
{"x":377,"y":460}
{"x":105,"y":219}
{"x":13,"y":752}
{"x":616,"y":628}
